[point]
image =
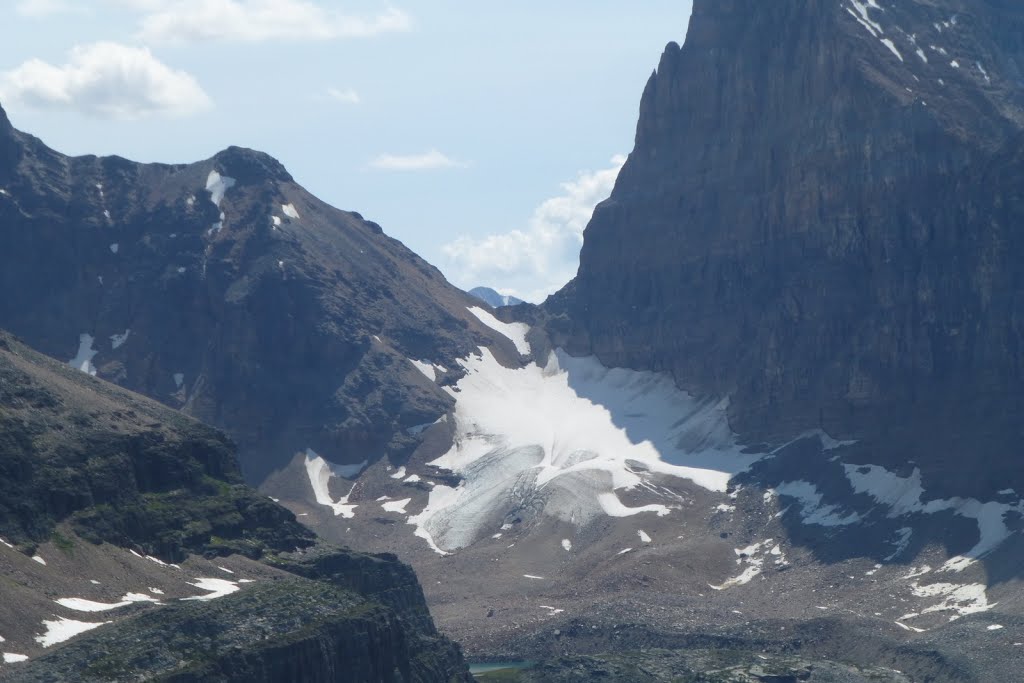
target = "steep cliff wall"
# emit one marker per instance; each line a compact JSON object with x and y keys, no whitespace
{"x":821,"y":219}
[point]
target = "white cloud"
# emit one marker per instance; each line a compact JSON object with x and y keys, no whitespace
{"x":415,"y":162}
{"x":187,"y":21}
{"x":347,"y":96}
{"x":108,"y":80}
{"x":536,"y":261}
{"x":45,"y":8}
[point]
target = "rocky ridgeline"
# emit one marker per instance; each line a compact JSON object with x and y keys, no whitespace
{"x":225,"y":290}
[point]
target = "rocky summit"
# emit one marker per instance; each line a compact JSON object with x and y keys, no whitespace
{"x":227,"y":291}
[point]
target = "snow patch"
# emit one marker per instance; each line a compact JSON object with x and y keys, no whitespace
{"x":289,"y":210}
{"x":861,"y":14}
{"x":725,"y":508}
{"x":955,"y":64}
{"x":320,"y":472}
{"x":813,"y":510}
{"x":118,"y":340}
{"x":412,"y":479}
{"x":984,"y":73}
{"x":64,"y":629}
{"x":962,"y":599}
{"x":904,"y":496}
{"x":217,"y":185}
{"x":83,"y":360}
{"x":567,"y":545}
{"x":8,"y":545}
{"x":892,"y":47}
{"x":515,"y":332}
{"x":572,"y":433}
{"x":217,"y":588}
{"x":427,"y":369}
{"x":749,"y":556}
{"x":901,"y":542}
{"x":83,"y":605}
{"x":276,"y":220}
{"x":114,"y":248}
{"x":995,"y":627}
{"x":644,"y":538}
{"x":12,"y":658}
{"x":396,"y":506}
{"x":39,"y":559}
{"x":179,"y":379}
{"x":225,"y":570}
{"x":399,"y":473}
{"x":531,"y":576}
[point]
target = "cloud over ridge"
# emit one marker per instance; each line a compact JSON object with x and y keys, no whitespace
{"x":107,"y":80}
{"x":537,"y":260}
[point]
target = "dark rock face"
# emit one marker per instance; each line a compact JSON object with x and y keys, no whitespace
{"x":122,"y":469}
{"x":239,"y":298}
{"x":821,"y":218}
{"x":288,"y":630}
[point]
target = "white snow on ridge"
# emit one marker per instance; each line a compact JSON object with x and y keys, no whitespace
{"x":289,"y":210}
{"x":644,"y":538}
{"x":64,"y":629}
{"x":516,"y":332}
{"x":83,"y":360}
{"x":39,"y":559}
{"x":399,"y":473}
{"x":571,"y":434}
{"x":320,"y":472}
{"x":13,"y":658}
{"x":567,"y":545}
{"x":218,"y":185}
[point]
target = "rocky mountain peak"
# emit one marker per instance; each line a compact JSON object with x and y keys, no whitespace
{"x":821,"y":211}
{"x":248,"y":166}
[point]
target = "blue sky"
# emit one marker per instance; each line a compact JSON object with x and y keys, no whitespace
{"x":480,"y":134}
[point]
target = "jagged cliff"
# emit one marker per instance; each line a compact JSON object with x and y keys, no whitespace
{"x":224,"y":289}
{"x":821,"y":220}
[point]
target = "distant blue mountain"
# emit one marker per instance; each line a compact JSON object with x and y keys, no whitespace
{"x":488,"y":295}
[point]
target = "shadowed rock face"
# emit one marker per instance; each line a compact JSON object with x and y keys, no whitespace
{"x":100,"y":464}
{"x":121,"y":468}
{"x":246,"y":302}
{"x":821,"y":218}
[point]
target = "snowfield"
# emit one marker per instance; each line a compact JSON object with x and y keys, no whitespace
{"x":565,"y":438}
